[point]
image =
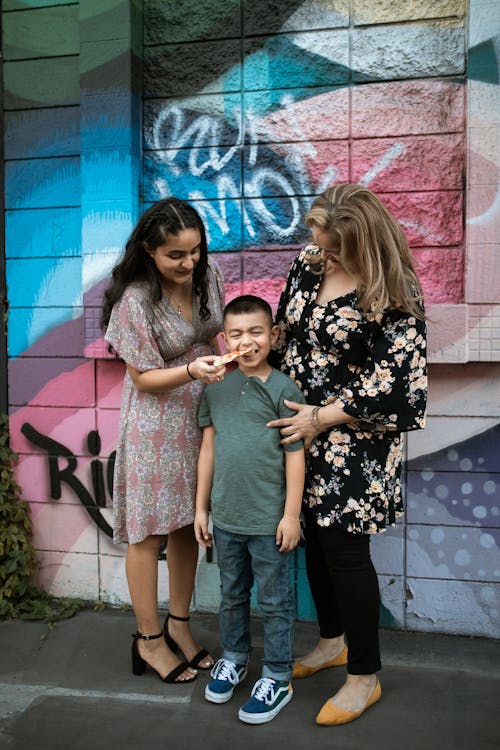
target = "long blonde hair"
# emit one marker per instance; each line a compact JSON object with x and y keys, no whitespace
{"x":373,"y":247}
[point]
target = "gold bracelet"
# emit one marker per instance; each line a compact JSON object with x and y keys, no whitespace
{"x":314,"y":419}
{"x":191,"y":376}
{"x":291,"y":518}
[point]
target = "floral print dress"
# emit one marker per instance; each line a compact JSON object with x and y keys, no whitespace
{"x":159,"y":438}
{"x":374,"y":368}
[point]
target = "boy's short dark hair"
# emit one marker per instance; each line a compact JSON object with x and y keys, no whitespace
{"x":248,"y":303}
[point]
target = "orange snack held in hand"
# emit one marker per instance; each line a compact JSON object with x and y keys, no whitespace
{"x":229,"y":356}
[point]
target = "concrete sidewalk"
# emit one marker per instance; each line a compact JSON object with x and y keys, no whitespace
{"x":72,"y":687}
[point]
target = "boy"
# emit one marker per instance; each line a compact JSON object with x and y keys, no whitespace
{"x":255,"y":485}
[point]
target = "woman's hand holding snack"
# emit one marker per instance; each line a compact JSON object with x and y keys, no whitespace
{"x":203,"y":368}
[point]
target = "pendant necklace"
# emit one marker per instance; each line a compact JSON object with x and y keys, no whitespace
{"x":173,"y":302}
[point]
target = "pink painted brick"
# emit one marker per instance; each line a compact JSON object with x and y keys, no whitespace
{"x":267,"y":265}
{"x":327,"y":159}
{"x":407,"y":107}
{"x":230,"y":266}
{"x":109,"y":383}
{"x":483,"y":155}
{"x":293,"y":121}
{"x":483,"y":213}
{"x":447,"y":333}
{"x":69,"y":427}
{"x":429,"y":219}
{"x":32,"y":475}
{"x":60,"y":527}
{"x":72,"y":388}
{"x":107,"y":427}
{"x":482,"y":277}
{"x":440,"y":270}
{"x":268,"y":289}
{"x":421,"y":162}
{"x":232,"y":291}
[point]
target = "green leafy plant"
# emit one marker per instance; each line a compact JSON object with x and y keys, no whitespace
{"x":19,"y":597}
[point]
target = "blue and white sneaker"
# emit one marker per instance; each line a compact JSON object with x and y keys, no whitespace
{"x":266,"y":701}
{"x":226,"y":675}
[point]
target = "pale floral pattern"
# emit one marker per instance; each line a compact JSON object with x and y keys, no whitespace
{"x":374,"y":368}
{"x":159,"y":438}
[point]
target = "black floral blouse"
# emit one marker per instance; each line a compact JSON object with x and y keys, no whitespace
{"x":370,"y":366}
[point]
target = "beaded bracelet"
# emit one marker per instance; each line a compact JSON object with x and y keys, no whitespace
{"x":191,"y":376}
{"x":314,"y":418}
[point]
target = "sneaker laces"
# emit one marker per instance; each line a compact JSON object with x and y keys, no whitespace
{"x":262,"y":687}
{"x":225,"y":670}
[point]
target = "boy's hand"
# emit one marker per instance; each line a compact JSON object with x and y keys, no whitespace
{"x":201,"y":529}
{"x":288,"y":534}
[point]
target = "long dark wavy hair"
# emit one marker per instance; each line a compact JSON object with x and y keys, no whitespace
{"x":166,"y":217}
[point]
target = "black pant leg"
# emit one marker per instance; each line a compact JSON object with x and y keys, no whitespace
{"x":355,"y":588}
{"x":323,"y":592}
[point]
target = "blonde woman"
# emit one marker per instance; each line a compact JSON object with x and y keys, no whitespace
{"x":352,"y":336}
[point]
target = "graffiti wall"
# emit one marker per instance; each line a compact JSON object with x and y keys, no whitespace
{"x":248,"y":110}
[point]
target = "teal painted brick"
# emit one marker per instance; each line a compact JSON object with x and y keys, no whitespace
{"x":43,"y":233}
{"x":275,"y":221}
{"x":185,"y":171}
{"x":306,"y":611}
{"x":50,"y":82}
{"x":308,"y":59}
{"x":42,"y":32}
{"x":44,"y":282}
{"x":107,"y":120}
{"x":105,"y":173}
{"x":40,"y":183}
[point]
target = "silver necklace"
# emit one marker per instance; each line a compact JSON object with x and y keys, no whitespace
{"x":173,"y":302}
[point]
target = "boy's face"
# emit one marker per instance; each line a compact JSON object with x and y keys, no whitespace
{"x":243,"y":330}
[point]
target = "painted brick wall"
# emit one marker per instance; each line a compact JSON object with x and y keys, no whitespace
{"x":248,"y":110}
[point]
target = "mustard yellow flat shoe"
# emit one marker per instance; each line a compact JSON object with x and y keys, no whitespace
{"x":301,"y":670}
{"x":331,"y":715}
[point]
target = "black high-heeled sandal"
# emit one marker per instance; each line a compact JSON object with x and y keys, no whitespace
{"x":139,"y":665}
{"x":173,"y":646}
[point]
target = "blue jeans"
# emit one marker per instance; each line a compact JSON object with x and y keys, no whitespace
{"x":243,"y":559}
